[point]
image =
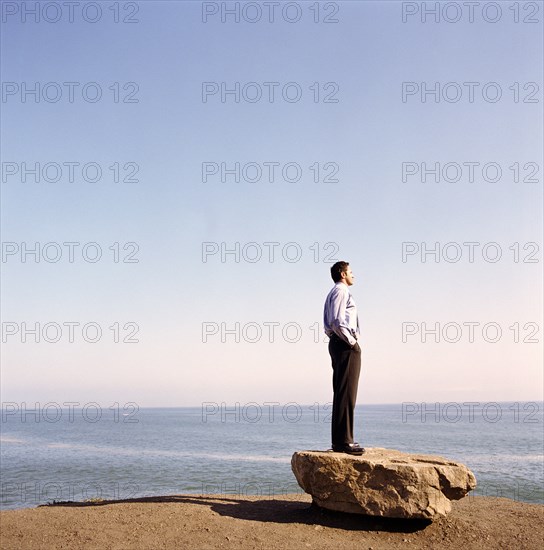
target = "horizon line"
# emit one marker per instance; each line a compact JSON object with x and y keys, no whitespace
{"x":276,"y":403}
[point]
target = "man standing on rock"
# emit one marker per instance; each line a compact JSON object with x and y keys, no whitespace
{"x":342,"y":327}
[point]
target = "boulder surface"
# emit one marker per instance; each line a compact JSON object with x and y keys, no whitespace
{"x":382,"y":482}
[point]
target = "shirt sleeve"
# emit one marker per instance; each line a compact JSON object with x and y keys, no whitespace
{"x":339,"y":301}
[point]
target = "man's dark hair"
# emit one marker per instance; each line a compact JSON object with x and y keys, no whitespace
{"x":337,"y":269}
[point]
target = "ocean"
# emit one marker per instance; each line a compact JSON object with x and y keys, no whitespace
{"x":55,"y":453}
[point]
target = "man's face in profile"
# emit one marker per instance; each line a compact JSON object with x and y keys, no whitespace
{"x":348,"y":277}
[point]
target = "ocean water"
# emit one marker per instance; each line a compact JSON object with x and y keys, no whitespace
{"x":55,"y":454}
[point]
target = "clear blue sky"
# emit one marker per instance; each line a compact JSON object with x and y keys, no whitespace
{"x":169,"y":212}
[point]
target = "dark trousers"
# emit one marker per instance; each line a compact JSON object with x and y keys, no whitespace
{"x":346,"y":364}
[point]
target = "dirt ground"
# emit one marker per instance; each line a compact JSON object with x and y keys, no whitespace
{"x":200,"y":522}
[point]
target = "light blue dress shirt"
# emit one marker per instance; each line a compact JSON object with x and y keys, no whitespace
{"x":340,"y":314}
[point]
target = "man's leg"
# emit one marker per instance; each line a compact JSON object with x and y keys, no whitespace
{"x":346,"y":364}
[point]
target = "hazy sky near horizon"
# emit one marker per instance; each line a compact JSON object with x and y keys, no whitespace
{"x":331,"y":114}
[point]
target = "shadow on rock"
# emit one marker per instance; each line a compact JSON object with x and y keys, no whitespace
{"x":275,"y":511}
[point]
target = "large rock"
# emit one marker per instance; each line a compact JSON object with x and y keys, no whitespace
{"x":382,"y":482}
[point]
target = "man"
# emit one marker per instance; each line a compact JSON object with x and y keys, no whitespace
{"x":342,"y":327}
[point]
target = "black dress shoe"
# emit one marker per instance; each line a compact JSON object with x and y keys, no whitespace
{"x":349,"y":448}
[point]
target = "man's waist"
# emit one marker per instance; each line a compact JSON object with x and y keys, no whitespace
{"x":353,"y":331}
{"x":332,"y":334}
